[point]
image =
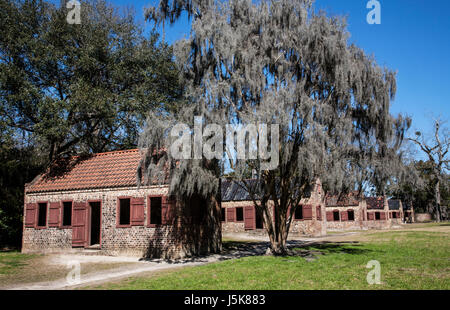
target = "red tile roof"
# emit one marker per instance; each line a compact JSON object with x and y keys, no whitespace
{"x":343,"y":200}
{"x":375,"y":202}
{"x":101,"y":170}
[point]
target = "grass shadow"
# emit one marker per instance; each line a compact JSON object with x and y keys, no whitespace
{"x":326,"y":247}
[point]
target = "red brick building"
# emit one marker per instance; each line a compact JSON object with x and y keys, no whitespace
{"x":345,"y":212}
{"x":96,"y":205}
{"x":239,"y":215}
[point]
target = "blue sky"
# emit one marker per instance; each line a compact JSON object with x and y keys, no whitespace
{"x":413,"y":39}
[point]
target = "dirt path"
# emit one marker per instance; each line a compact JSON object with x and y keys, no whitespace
{"x":133,"y":266}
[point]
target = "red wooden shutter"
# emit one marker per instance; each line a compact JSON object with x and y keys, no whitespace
{"x":30,"y":214}
{"x":329,"y":216}
{"x":231,"y":214}
{"x":249,"y":217}
{"x":168,"y":208}
{"x":164,"y":208}
{"x":307,"y":212}
{"x":54,"y":214}
{"x":370,"y":216}
{"x":171,"y":209}
{"x":79,"y":219}
{"x":382,"y":215}
{"x":319,"y":213}
{"x":137,"y":211}
{"x":344,"y":216}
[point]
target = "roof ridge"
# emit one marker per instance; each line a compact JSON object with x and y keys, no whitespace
{"x":116,"y":151}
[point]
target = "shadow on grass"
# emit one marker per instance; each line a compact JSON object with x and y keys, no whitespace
{"x":306,"y":249}
{"x":325,"y":247}
{"x":296,"y":248}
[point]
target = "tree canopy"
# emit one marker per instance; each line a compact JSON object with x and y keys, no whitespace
{"x":85,"y":87}
{"x":278,"y":62}
{"x":72,"y":89}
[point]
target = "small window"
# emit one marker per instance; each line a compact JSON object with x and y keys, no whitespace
{"x":377,"y":216}
{"x":239,"y":214}
{"x":336,"y":216}
{"x":222,"y":214}
{"x":394,"y":215}
{"x":67,"y":213}
{"x":351,"y":215}
{"x":124,"y":211}
{"x":156,"y":210}
{"x":42,"y":216}
{"x":298,"y":214}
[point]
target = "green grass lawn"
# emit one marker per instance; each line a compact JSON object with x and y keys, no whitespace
{"x":11,"y":262}
{"x":408,"y":259}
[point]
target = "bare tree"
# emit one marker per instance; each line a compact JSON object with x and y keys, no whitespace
{"x":436,"y":149}
{"x":277,"y":62}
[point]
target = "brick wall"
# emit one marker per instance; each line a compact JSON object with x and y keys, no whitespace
{"x":344,"y":223}
{"x":384,"y":223}
{"x":313,"y":227}
{"x":162,"y":241}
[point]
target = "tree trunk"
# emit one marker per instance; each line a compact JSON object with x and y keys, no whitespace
{"x":437,"y":192}
{"x":278,"y":234}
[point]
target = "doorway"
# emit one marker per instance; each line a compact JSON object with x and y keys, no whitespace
{"x":258,"y":220}
{"x":95,"y":223}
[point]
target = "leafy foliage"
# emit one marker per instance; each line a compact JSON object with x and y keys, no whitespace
{"x":278,"y":62}
{"x":80,"y":88}
{"x":71,"y":90}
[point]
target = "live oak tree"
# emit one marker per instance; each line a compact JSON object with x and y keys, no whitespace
{"x":72,"y":89}
{"x":276,"y":62}
{"x":77,"y":88}
{"x":436,"y":149}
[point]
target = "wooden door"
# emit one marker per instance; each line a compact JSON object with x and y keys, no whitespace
{"x":79,"y":224}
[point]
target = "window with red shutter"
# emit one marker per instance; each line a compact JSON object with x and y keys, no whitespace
{"x":343,"y":216}
{"x":164,"y":210}
{"x":42,"y":214}
{"x":123,"y":212}
{"x":249,"y":217}
{"x":167,"y":210}
{"x":66,"y":211}
{"x":336,"y":217}
{"x":223,"y":214}
{"x":30,"y":215}
{"x":239,"y":214}
{"x":230,"y":214}
{"x":307,"y":212}
{"x":171,"y":210}
{"x":137,"y":211}
{"x":54,"y":214}
{"x":155,"y":210}
{"x":377,"y":216}
{"x":298,"y":213}
{"x":329,"y":216}
{"x":350,"y":215}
